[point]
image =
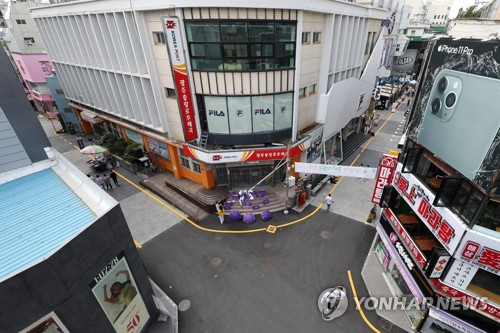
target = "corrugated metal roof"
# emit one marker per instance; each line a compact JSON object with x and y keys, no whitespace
{"x":38,"y":214}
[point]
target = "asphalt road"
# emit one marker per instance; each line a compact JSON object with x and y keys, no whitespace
{"x":262,"y":282}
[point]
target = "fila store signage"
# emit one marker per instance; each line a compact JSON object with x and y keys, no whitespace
{"x":384,"y":176}
{"x":179,"y":69}
{"x":215,"y":157}
{"x":481,"y":251}
{"x":447,"y":228}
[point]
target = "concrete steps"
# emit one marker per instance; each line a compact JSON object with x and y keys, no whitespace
{"x":276,"y":203}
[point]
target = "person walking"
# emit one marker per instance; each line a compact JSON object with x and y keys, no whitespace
{"x":328,"y":201}
{"x":107,"y":182}
{"x":92,"y":178}
{"x":99,"y":181}
{"x":114,"y":177}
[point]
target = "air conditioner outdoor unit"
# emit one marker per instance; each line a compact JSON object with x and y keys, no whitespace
{"x":28,"y":42}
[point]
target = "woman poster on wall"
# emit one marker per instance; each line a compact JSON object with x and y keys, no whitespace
{"x":116,"y":291}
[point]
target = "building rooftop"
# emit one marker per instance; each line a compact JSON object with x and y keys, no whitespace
{"x":39,"y":213}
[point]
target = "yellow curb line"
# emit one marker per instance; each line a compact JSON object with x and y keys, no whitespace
{"x":178,"y":213}
{"x":358,"y":305}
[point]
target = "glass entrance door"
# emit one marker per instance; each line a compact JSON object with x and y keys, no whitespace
{"x":247,"y":176}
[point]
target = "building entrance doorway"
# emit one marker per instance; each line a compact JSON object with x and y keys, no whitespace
{"x":247,"y":176}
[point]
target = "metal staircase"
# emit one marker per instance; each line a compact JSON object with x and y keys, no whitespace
{"x":203,"y":139}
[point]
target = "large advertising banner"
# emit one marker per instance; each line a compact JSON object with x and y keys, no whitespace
{"x":179,"y":68}
{"x":455,"y":113}
{"x":217,"y":116}
{"x":116,"y":291}
{"x":316,"y":147}
{"x":337,"y":170}
{"x":263,"y":113}
{"x":240,"y":114}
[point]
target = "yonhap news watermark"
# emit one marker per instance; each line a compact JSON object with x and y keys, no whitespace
{"x":408,"y":303}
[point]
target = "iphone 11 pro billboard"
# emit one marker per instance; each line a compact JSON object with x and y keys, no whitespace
{"x":457,"y":111}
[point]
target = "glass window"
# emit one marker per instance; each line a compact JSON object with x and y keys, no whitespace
{"x":367,"y":43}
{"x":202,"y":32}
{"x":235,"y":50}
{"x":490,"y":217}
{"x":158,"y":37}
{"x":261,"y":31}
{"x":411,"y":159}
{"x":285,"y":63}
{"x":240,"y":114}
{"x":21,"y":21}
{"x":196,"y":166}
{"x":316,"y":37}
{"x":302,"y":92}
{"x":446,"y":192}
{"x":466,"y":202}
{"x":262,"y":113}
{"x":184,"y":161}
{"x":169,"y":92}
{"x":486,"y":284}
{"x":261,"y":50}
{"x":312,"y":89}
{"x":305,"y":37}
{"x":216,"y":113}
{"x":234,"y":31}
{"x":206,"y":63}
{"x":283,"y":111}
{"x":285,"y":31}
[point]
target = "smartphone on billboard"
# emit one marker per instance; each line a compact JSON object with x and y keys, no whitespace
{"x":461,"y":119}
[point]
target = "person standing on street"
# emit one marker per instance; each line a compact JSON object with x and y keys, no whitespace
{"x":99,"y":181}
{"x":220,"y":211}
{"x":329,"y":202}
{"x":107,"y":182}
{"x":114,"y":177}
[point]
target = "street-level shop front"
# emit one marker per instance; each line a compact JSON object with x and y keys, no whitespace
{"x":401,"y":274}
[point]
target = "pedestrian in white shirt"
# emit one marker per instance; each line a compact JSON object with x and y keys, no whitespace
{"x":329,"y":202}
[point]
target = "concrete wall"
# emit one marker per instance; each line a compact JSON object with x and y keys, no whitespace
{"x":61,"y":283}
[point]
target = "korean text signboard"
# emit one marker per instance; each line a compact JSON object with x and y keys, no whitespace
{"x":116,"y":291}
{"x":481,"y":251}
{"x":447,"y":228}
{"x":179,"y":68}
{"x":384,"y":176}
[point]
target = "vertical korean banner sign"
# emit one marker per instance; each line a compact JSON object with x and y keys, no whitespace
{"x":117,"y":293}
{"x":179,"y":67}
{"x":384,"y":176}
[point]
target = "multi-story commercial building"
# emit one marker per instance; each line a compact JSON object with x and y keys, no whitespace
{"x":68,"y":261}
{"x":27,"y":50}
{"x":438,"y":239}
{"x":219,"y":94}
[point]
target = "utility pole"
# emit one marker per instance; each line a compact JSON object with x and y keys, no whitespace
{"x":286,"y":177}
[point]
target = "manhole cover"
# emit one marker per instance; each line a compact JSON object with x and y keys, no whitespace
{"x":216,"y":261}
{"x":267,"y":265}
{"x":184,"y":305}
{"x":326,"y":234}
{"x":267,"y":245}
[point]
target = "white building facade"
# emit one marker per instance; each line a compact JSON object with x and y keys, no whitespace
{"x":257,"y":78}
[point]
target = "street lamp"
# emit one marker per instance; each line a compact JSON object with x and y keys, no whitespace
{"x":286,"y":177}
